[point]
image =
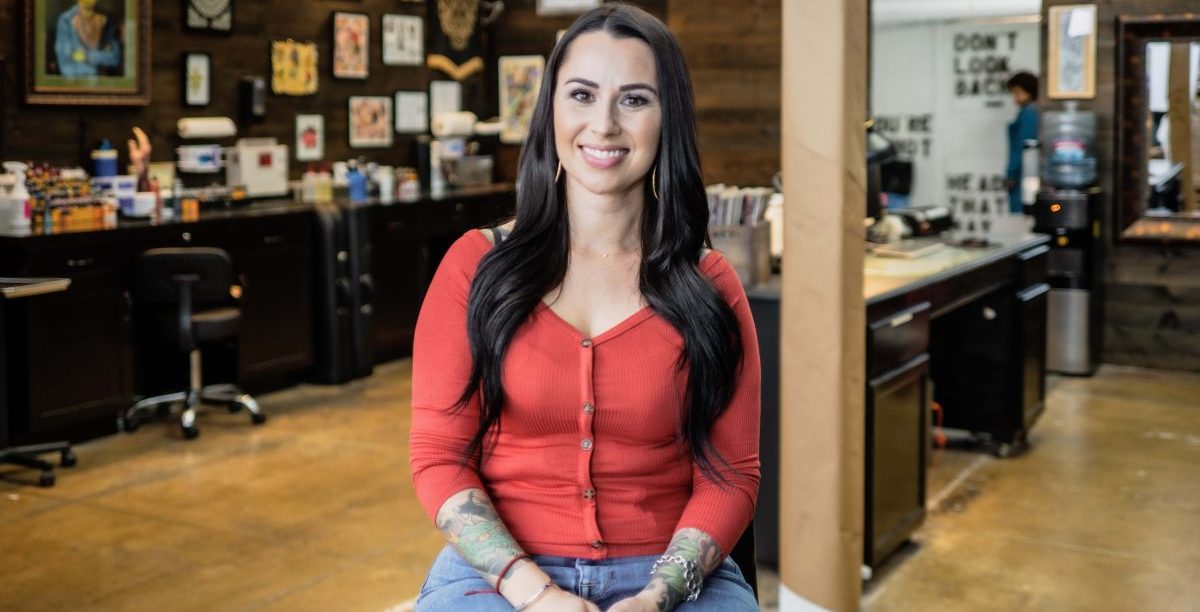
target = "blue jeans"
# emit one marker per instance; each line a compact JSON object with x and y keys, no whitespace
{"x":452,"y":585}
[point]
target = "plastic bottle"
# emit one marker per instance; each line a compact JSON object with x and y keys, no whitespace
{"x":358,"y":184}
{"x":14,"y":206}
{"x":1068,"y":156}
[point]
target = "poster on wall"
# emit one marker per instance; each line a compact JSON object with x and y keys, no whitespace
{"x":412,"y":112}
{"x":310,"y":137}
{"x":87,"y":52}
{"x":982,"y":58}
{"x":520,"y":80}
{"x":370,"y":121}
{"x":351,"y":45}
{"x":1071,"y":57}
{"x":403,"y":40}
{"x":197,"y":79}
{"x":293,"y":68}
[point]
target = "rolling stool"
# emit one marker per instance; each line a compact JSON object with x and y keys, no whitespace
{"x":188,"y":294}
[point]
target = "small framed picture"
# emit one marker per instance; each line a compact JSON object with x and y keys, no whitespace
{"x":403,"y":40}
{"x":351,"y":45}
{"x":1071,"y":57}
{"x":412,"y":112}
{"x":208,"y":15}
{"x":293,"y":68}
{"x":370,"y":121}
{"x":520,"y":82}
{"x":310,"y":137}
{"x":197,"y":79}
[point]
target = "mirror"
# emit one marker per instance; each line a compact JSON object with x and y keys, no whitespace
{"x":1158,"y":121}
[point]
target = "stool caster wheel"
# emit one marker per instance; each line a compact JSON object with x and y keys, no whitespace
{"x":234,"y":407}
{"x":67,"y":459}
{"x":128,"y":424}
{"x":46,"y":479}
{"x":258,"y":418}
{"x":190,"y":433}
{"x":1004,"y":451}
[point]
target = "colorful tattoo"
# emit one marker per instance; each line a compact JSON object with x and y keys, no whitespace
{"x":471,"y":525}
{"x":668,"y":585}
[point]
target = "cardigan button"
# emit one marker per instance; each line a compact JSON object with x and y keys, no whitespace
{"x":587,"y":343}
{"x":588,"y":408}
{"x":597,"y":544}
{"x":586,"y":444}
{"x":589,"y":493}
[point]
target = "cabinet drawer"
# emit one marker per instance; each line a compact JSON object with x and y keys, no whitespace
{"x":73,"y":259}
{"x":208,"y":234}
{"x":1032,"y":266}
{"x":270,"y":232}
{"x":897,"y":338}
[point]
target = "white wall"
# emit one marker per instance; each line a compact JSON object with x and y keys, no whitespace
{"x":938,"y":89}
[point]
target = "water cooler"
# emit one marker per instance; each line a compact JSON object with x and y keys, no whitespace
{"x":1068,"y":209}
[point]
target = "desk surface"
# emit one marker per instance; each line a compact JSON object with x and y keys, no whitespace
{"x":14,"y":288}
{"x":886,"y":277}
{"x":261,"y":208}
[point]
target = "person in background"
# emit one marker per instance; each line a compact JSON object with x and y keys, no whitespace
{"x":86,"y":41}
{"x":1024,"y":89}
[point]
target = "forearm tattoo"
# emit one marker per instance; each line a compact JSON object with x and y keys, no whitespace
{"x":668,"y":585}
{"x":471,"y":525}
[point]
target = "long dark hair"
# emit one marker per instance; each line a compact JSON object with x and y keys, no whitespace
{"x":513,"y":277}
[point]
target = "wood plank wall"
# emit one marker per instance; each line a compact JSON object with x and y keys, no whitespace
{"x":733,"y":53}
{"x":1152,"y":303}
{"x":64,"y":135}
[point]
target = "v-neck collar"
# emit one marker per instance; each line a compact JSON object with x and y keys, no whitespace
{"x":626,"y":324}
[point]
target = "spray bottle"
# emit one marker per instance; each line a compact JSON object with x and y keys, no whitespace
{"x":14,"y":199}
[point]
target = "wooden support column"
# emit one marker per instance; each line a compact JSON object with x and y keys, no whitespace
{"x":824,"y":94}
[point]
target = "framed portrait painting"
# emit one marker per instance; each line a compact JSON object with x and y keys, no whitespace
{"x":351,"y":45}
{"x":87,"y":52}
{"x":370,"y":121}
{"x":1071,"y":57}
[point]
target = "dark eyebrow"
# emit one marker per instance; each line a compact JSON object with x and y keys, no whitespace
{"x":594,"y":85}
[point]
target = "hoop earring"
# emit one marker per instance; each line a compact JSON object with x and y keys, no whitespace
{"x":654,"y":182}
{"x":558,"y":173}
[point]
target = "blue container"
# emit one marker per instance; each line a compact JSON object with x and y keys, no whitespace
{"x":104,"y":162}
{"x":358,"y":185}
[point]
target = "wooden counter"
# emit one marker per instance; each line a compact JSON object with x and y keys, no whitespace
{"x":972,"y":321}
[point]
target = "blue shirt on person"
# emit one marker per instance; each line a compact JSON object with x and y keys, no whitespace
{"x":1024,"y":127}
{"x":67,"y":44}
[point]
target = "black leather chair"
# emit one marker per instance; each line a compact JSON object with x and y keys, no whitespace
{"x":744,"y":555}
{"x":187,"y":296}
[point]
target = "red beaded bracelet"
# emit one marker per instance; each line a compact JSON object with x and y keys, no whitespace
{"x":508,"y":567}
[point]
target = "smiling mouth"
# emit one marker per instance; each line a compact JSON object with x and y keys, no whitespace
{"x":606,"y":154}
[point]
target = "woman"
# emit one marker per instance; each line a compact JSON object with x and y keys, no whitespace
{"x":586,"y":390}
{"x":1024,"y":89}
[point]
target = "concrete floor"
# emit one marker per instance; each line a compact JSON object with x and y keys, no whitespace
{"x":315,"y":511}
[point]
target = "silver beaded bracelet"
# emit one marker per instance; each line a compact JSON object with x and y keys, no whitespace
{"x":692,"y":578}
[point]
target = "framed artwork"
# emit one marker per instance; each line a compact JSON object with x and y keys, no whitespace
{"x":370,"y":121}
{"x":208,"y":15}
{"x":1071,"y":56}
{"x":87,"y":53}
{"x":412,"y":112}
{"x":197,"y":79}
{"x":520,"y":81}
{"x":310,"y":137}
{"x":351,"y":45}
{"x":403,"y":40}
{"x":293,"y":68}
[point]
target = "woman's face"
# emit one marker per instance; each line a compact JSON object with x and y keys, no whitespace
{"x":607,"y":116}
{"x":1020,"y":96}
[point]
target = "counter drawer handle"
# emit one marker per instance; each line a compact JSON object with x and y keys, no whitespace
{"x":276,"y":239}
{"x":901,"y":320}
{"x":459,"y":207}
{"x":79,"y":263}
{"x":187,"y":236}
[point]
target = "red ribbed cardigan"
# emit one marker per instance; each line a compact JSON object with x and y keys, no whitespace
{"x":588,"y":462}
